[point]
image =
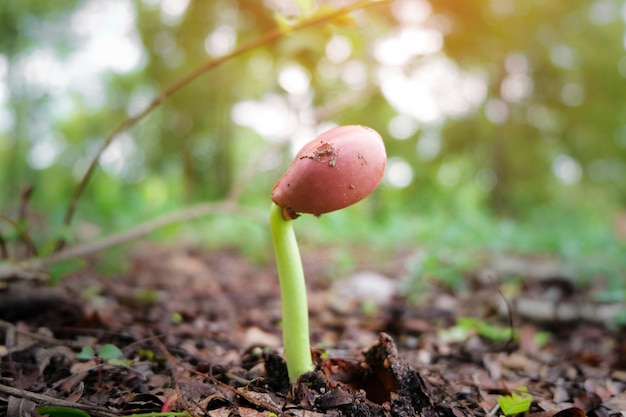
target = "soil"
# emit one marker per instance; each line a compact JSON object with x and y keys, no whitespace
{"x":198,"y":331}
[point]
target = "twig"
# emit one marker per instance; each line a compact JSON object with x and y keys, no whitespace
{"x":25,"y":195}
{"x":23,"y":234}
{"x":4,"y":253}
{"x":37,"y":265}
{"x":268,"y":38}
{"x":94,"y":411}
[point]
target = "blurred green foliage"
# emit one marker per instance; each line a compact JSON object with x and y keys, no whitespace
{"x":508,"y":133}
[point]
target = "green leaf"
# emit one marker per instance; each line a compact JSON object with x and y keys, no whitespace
{"x":87,"y":353}
{"x":304,"y":6}
{"x":109,"y":351}
{"x":61,"y":412}
{"x":120,"y":362}
{"x":59,"y":270}
{"x":515,"y":403}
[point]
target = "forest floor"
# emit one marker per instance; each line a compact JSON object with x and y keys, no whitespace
{"x":198,"y":331}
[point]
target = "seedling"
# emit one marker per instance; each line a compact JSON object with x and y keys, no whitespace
{"x":518,"y":402}
{"x":337,"y":169}
{"x":107,"y":353}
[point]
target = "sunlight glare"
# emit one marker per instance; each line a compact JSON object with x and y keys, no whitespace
{"x":106,"y":40}
{"x":221,"y":41}
{"x":516,"y":63}
{"x":516,"y":87}
{"x":354,"y":75}
{"x":566,"y":169}
{"x":405,"y":44}
{"x":110,"y":37}
{"x":172,"y":11}
{"x":402,"y":127}
{"x":411,"y":12}
{"x":115,"y":159}
{"x":428,"y":145}
{"x":496,"y":111}
{"x":434,"y":90}
{"x":398,"y":173}
{"x":4,"y":87}
{"x":45,"y":151}
{"x":294,"y":79}
{"x":338,"y":49}
{"x":602,"y":12}
{"x":271,"y":117}
{"x":7,"y":117}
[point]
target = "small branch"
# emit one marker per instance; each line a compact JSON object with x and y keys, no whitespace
{"x":22,"y":217}
{"x":35,"y":266}
{"x":23,"y":234}
{"x":25,"y":195}
{"x":41,"y":399}
{"x":268,"y":38}
{"x":4,"y":253}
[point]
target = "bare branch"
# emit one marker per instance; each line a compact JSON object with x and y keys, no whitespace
{"x":33,"y":268}
{"x":51,"y":401}
{"x":266,"y":39}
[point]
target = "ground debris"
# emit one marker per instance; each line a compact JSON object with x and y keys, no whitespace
{"x":199,"y":332}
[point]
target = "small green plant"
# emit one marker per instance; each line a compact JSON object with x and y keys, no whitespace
{"x":518,"y":402}
{"x":337,"y":169}
{"x":108,"y":353}
{"x":467,"y":326}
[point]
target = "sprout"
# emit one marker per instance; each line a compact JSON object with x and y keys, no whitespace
{"x":337,"y":169}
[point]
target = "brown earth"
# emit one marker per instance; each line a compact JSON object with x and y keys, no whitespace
{"x":199,"y":332}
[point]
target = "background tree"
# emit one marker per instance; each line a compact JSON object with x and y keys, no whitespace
{"x":485,"y":106}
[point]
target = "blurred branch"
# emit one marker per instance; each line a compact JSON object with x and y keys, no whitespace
{"x":37,"y":398}
{"x":33,"y":268}
{"x":4,"y":253}
{"x":23,"y":234}
{"x":185,"y":214}
{"x":25,"y":195}
{"x":269,"y":37}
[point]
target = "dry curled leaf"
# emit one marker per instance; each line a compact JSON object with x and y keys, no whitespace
{"x":567,"y":412}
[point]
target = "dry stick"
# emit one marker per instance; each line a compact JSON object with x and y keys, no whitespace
{"x":32,"y":268}
{"x":94,"y":411}
{"x":267,"y":38}
{"x":143,"y":229}
{"x":25,"y":195}
{"x":4,"y":253}
{"x":23,"y":234}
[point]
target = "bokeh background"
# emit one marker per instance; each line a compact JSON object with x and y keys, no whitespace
{"x":504,"y":121}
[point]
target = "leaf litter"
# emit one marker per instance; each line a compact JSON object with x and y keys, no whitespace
{"x":188,"y":330}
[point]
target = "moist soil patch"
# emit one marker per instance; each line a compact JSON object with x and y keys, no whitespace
{"x":198,"y":332}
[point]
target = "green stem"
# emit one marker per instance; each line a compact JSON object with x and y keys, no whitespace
{"x":292,"y":294}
